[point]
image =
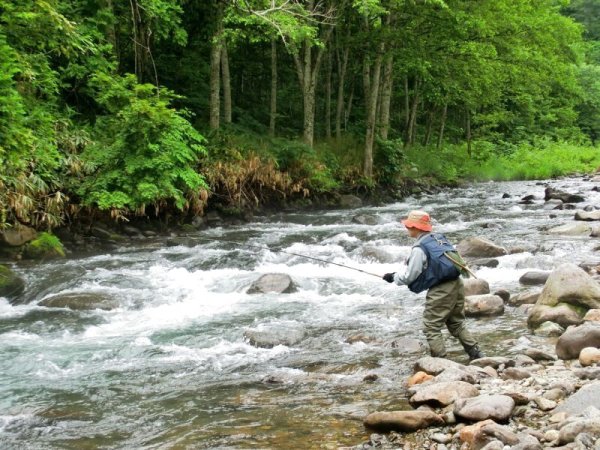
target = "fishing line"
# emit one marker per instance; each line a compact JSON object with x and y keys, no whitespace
{"x":262,"y":247}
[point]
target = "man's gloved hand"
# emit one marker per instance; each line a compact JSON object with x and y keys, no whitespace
{"x":389,"y":277}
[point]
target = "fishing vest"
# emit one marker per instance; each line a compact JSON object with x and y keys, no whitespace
{"x":439,"y":267}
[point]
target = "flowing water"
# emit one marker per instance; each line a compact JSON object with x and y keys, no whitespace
{"x":170,"y":367}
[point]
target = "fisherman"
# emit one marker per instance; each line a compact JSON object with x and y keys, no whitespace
{"x":435,"y":266}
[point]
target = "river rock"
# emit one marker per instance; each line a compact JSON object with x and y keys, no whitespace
{"x":588,"y":395}
{"x":553,"y":204}
{"x":477,"y":247}
{"x":593,"y":315}
{"x":443,"y":393}
{"x":562,"y":314}
{"x":549,"y":329}
{"x":350,"y":201}
{"x":493,"y":361}
{"x":408,"y":346}
{"x":572,"y":229}
{"x":587,"y":215}
{"x":572,"y":430}
{"x":279,"y":283}
{"x":418,"y":378}
{"x":566,"y":197}
{"x":17,"y":235}
{"x":271,"y":335}
{"x":478,"y":435}
{"x":539,"y":355}
{"x":534,"y":277}
{"x":524,"y":298}
{"x":544,"y":404}
{"x":570,"y":285}
{"x":589,"y":356}
{"x":514,"y":373}
{"x":405,"y":421}
{"x":485,"y":262}
{"x":11,"y":285}
{"x":365,"y":219}
{"x":575,"y":339}
{"x":81,"y":301}
{"x":496,"y":407}
{"x":435,"y":366}
{"x":476,"y":286}
{"x":483,"y":305}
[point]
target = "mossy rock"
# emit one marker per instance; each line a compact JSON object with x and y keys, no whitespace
{"x":45,"y":246}
{"x":11,"y":285}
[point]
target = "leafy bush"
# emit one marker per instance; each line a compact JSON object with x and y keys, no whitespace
{"x":144,"y":152}
{"x":389,"y":160}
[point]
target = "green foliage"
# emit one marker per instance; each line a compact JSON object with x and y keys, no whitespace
{"x":390,"y":161}
{"x":45,"y":245}
{"x":144,"y":152}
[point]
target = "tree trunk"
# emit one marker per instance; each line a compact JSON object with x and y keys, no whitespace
{"x":215,"y":75}
{"x":328,"y":95}
{"x":273,"y":110}
{"x":342,"y":64}
{"x":406,"y":105}
{"x":348,"y":109}
{"x":412,"y":122}
{"x":140,"y":41}
{"x":442,"y":126}
{"x":430,"y":116}
{"x":226,"y":84}
{"x":386,"y":97}
{"x":468,"y":126}
{"x":371,"y":95}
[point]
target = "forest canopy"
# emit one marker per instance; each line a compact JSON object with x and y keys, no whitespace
{"x":148,"y":107}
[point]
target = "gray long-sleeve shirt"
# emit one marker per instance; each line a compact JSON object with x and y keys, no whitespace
{"x":417,"y":263}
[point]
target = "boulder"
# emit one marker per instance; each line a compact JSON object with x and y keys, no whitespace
{"x":539,"y":355}
{"x":553,"y":204}
{"x":485,"y":262}
{"x":587,"y":215}
{"x":514,"y":373}
{"x":496,"y":407}
{"x":503,"y":294}
{"x":566,"y":197}
{"x":575,"y":339}
{"x":483,"y":305}
{"x":44,"y":246}
{"x":81,"y":301}
{"x":589,"y":356}
{"x":350,"y":201}
{"x":11,"y":285}
{"x":569,"y":283}
{"x":534,"y":277}
{"x":476,"y":286}
{"x":572,"y":229}
{"x":17,"y":235}
{"x":418,"y":378}
{"x":476,"y":247}
{"x":493,"y":361}
{"x":279,"y":283}
{"x":562,"y":314}
{"x":405,"y":421}
{"x":588,"y":395}
{"x":443,"y":394}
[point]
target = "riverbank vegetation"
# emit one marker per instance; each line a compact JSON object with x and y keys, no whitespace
{"x":113,"y":108}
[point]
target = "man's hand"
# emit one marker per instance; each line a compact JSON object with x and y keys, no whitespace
{"x":389,"y":277}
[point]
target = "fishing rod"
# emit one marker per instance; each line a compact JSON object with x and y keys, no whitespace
{"x":262,"y":247}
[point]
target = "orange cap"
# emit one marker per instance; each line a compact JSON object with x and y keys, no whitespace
{"x":419,"y":220}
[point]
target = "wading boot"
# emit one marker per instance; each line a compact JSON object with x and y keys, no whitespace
{"x":474,"y":352}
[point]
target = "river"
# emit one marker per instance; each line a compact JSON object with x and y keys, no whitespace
{"x":170,"y":368}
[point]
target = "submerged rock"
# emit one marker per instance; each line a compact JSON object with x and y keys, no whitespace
{"x":477,"y":247}
{"x":11,"y":285}
{"x":279,"y":283}
{"x":271,"y":335}
{"x":81,"y":301}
